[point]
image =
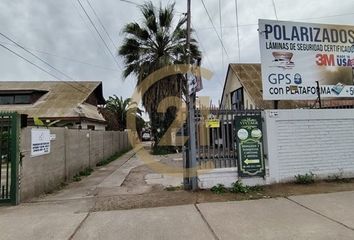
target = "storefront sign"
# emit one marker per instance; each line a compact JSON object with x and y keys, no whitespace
{"x":249,"y":139}
{"x":40,"y":141}
{"x":295,"y":56}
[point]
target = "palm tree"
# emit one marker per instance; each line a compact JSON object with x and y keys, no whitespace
{"x":118,"y":108}
{"x":155,"y":43}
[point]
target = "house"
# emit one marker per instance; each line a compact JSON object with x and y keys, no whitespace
{"x":243,"y":90}
{"x":62,"y":104}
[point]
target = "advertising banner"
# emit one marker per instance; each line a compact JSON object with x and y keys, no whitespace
{"x":249,"y":139}
{"x":296,"y":55}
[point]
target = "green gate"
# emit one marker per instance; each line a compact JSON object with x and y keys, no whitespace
{"x":9,"y":157}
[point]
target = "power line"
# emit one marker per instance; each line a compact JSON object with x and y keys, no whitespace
{"x":212,"y":23}
{"x":275,"y":10}
{"x":203,"y":49}
{"x":39,"y":67}
{"x":63,"y":57}
{"x":40,"y":59}
{"x":221,"y":33}
{"x":238,"y":33}
{"x":99,"y":34}
{"x":295,"y":19}
{"x":34,"y":55}
{"x":131,"y":2}
{"x":100,"y":22}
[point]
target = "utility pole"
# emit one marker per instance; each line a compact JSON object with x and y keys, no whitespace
{"x":192,"y":161}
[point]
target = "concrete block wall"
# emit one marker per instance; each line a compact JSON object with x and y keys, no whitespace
{"x":309,"y":140}
{"x":72,"y":151}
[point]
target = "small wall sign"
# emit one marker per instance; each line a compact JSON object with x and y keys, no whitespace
{"x":40,"y":141}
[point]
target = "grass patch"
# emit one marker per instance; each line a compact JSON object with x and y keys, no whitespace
{"x":112,"y":158}
{"x":219,"y":189}
{"x":165,"y":150}
{"x":236,"y":187}
{"x":84,"y":173}
{"x":338,"y":178}
{"x":307,"y":178}
{"x":76,"y":178}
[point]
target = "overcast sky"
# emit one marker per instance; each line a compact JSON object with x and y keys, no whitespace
{"x":59,"y":32}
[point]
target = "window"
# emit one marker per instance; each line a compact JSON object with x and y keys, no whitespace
{"x":91,"y":127}
{"x":22,"y":99}
{"x":237,"y":99}
{"x":15,"y":99}
{"x":6,"y":100}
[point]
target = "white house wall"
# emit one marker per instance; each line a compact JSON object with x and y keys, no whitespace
{"x":300,"y":141}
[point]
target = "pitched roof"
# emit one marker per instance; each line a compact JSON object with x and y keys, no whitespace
{"x":61,"y":100}
{"x":250,"y":78}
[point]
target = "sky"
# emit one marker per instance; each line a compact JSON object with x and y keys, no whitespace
{"x":60,"y":33}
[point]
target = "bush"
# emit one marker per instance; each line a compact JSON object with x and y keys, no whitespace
{"x":337,"y":178}
{"x":86,"y":172}
{"x":163,"y":150}
{"x":307,"y":178}
{"x":219,"y":189}
{"x":112,"y":158}
{"x":238,"y":187}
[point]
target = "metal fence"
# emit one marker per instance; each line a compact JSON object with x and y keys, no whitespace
{"x":216,"y":146}
{"x":9,"y":124}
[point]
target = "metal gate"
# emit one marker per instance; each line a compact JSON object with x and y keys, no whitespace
{"x":215,"y":131}
{"x":9,"y":154}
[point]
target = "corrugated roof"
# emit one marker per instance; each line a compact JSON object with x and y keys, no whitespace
{"x":61,"y":100}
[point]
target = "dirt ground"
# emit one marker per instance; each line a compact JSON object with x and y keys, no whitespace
{"x":158,"y":195}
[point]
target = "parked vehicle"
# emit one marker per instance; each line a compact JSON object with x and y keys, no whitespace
{"x":146,"y":136}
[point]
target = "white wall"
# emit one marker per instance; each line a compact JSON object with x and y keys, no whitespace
{"x":300,"y":141}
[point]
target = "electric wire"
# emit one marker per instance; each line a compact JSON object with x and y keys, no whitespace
{"x":238,"y":32}
{"x":275,"y":9}
{"x":295,"y":19}
{"x":101,"y":23}
{"x":39,"y":67}
{"x":221,"y":34}
{"x":99,"y":34}
{"x":216,"y":32}
{"x":40,"y":59}
{"x":63,"y":57}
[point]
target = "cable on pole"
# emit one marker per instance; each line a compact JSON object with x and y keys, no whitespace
{"x":238,"y":32}
{"x":37,"y":66}
{"x":99,"y":34}
{"x":212,"y":23}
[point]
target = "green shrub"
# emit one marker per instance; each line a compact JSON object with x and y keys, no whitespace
{"x":219,"y":189}
{"x":307,"y":178}
{"x":337,"y":178}
{"x":112,"y":158}
{"x":256,"y":188}
{"x":238,"y":187}
{"x":86,"y":172}
{"x":77,"y":178}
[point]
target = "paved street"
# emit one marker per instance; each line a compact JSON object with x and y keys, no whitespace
{"x":72,"y":213}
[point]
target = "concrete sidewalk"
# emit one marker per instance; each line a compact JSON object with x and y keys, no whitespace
{"x":322,"y":216}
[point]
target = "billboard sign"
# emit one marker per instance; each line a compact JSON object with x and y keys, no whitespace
{"x":296,"y":55}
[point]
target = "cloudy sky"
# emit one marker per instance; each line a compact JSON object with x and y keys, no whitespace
{"x":60,"y":33}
